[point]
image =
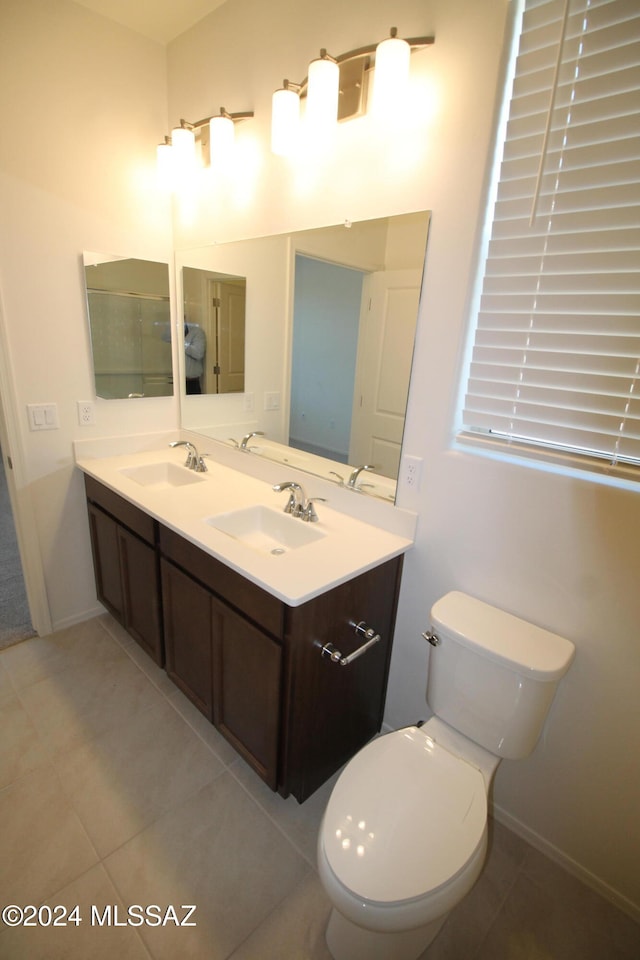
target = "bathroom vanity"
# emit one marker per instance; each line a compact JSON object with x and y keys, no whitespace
{"x":247,"y":654}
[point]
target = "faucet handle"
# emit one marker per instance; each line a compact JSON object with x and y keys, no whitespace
{"x":309,"y":514}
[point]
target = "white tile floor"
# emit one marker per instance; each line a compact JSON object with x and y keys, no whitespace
{"x":114,"y":792}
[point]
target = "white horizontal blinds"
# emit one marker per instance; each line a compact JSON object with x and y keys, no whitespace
{"x":556,"y":359}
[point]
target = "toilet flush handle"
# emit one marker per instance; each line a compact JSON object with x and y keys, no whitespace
{"x":431,"y":638}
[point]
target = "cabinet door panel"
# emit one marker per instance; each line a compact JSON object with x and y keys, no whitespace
{"x":187,"y":634}
{"x":247,"y":682}
{"x":106,"y":561}
{"x":140,"y":583}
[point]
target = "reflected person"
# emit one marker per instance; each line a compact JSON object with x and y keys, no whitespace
{"x":195,"y":347}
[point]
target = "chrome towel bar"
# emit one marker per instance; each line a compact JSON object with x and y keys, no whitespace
{"x":361,"y":629}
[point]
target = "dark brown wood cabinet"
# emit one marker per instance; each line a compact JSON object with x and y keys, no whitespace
{"x":126,"y":567}
{"x":293,"y":714}
{"x":250,"y":663}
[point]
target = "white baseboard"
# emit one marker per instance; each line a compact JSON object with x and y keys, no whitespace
{"x":96,"y":611}
{"x":567,"y":863}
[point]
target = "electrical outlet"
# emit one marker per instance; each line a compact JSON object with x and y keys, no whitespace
{"x":86,"y":413}
{"x":411,"y":471}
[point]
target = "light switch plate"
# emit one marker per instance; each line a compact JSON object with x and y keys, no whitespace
{"x":43,"y":416}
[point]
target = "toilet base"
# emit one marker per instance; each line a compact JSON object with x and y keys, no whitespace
{"x":347,"y":941}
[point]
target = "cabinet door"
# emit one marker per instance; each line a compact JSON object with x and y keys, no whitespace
{"x":187,"y":635}
{"x":247,"y":683}
{"x":106,"y":561}
{"x":141,"y":594}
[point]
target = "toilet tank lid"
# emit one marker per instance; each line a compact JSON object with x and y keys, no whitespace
{"x":500,"y":636}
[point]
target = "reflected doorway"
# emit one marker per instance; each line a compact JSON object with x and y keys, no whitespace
{"x":326,"y":319}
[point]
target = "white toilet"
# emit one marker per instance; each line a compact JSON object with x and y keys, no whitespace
{"x":404,"y":835}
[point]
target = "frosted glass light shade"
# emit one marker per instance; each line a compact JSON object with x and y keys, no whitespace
{"x":221,"y":138}
{"x":323,"y":90}
{"x":391,"y":76}
{"x":285,"y":121}
{"x":183,"y":147}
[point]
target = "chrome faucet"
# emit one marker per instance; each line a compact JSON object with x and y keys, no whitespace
{"x":194,"y":461}
{"x":351,"y":482}
{"x":245,"y":439}
{"x":297,"y":499}
{"x":297,"y":504}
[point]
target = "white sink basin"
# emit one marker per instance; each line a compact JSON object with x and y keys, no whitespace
{"x":265,"y":530}
{"x":164,"y":474}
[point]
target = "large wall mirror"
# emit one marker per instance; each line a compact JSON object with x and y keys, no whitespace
{"x":328,"y":329}
{"x":130,"y":326}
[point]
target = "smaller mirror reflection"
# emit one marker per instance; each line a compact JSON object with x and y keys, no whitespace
{"x":214,"y":331}
{"x":130,"y":326}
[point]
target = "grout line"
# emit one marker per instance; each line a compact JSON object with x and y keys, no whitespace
{"x":498,"y":911}
{"x":265,"y":919}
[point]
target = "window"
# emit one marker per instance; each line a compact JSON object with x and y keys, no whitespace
{"x":555,"y":364}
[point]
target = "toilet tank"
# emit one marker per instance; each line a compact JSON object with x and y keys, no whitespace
{"x":493,"y":676}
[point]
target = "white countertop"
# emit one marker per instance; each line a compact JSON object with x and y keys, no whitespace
{"x":349,"y":547}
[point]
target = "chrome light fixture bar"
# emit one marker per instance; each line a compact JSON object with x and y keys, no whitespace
{"x":335,"y":89}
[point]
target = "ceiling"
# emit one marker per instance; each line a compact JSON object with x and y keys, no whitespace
{"x":160,"y":20}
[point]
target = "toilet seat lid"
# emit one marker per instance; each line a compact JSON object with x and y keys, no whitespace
{"x":404,"y":818}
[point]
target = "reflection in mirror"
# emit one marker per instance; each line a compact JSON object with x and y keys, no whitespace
{"x":130,"y":326}
{"x":214,"y":325}
{"x":330,"y":325}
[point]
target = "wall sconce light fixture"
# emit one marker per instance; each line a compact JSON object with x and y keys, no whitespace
{"x":176,"y":157}
{"x":336,"y":88}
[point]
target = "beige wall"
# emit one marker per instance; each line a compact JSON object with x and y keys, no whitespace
{"x":551,"y":548}
{"x":85,"y":102}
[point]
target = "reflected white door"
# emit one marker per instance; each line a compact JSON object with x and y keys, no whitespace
{"x":225,"y":332}
{"x":387,"y":331}
{"x":231,"y":337}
